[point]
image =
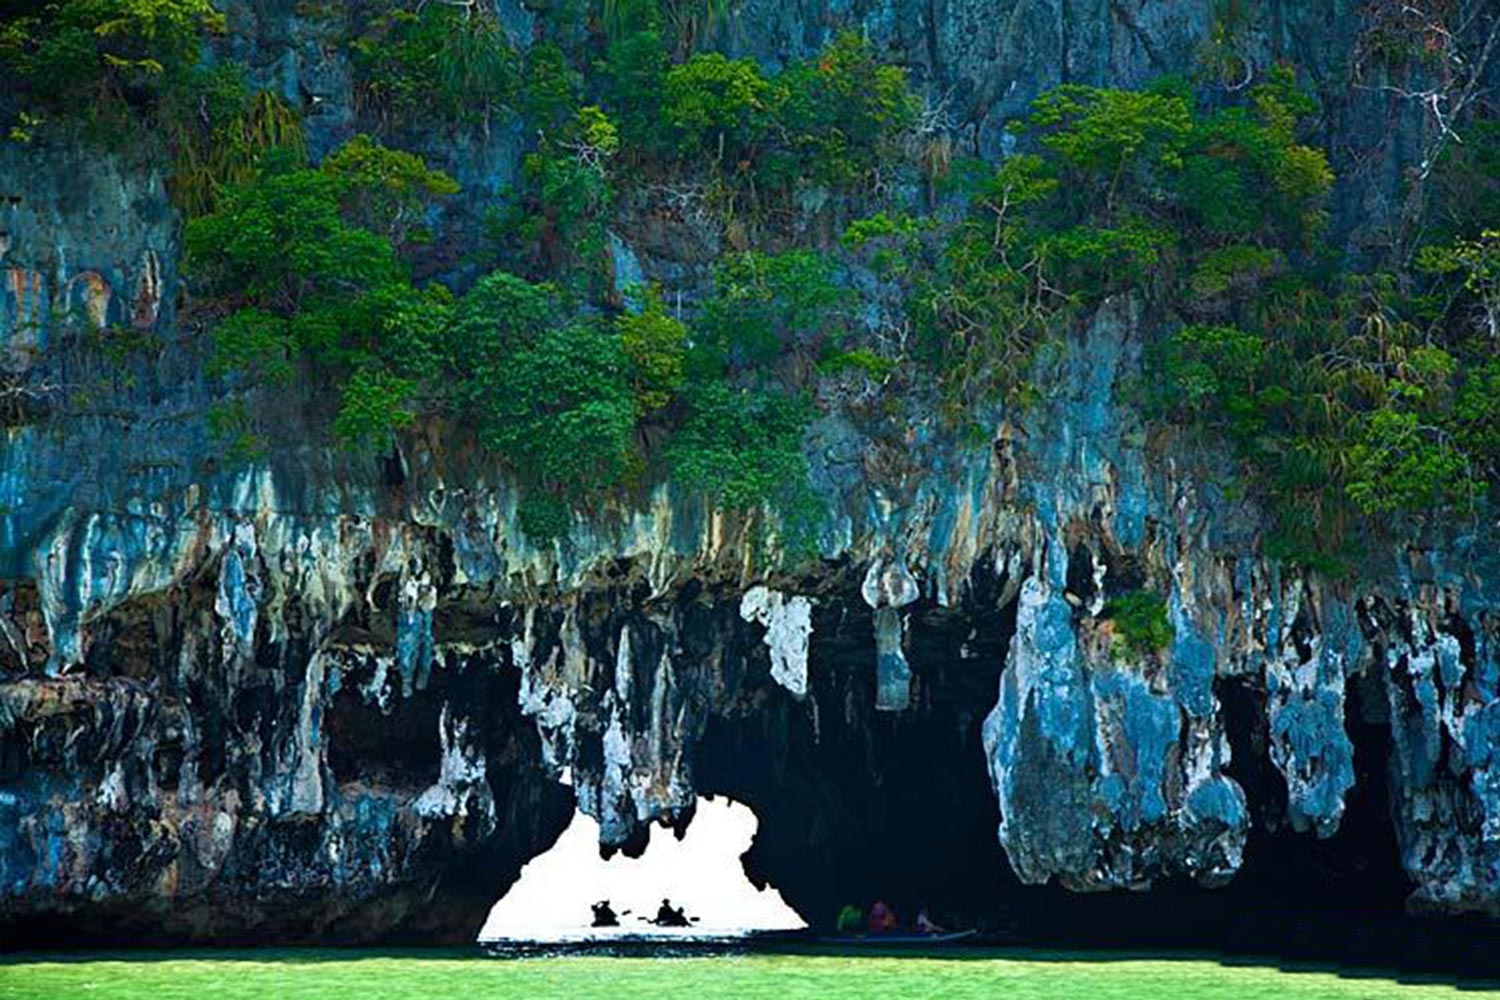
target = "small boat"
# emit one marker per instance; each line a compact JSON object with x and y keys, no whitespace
{"x":896,"y":939}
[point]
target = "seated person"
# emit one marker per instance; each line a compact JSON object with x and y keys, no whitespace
{"x":851,"y":919}
{"x":925,"y":924}
{"x":604,"y":915}
{"x":666,"y":916}
{"x":882,"y":919}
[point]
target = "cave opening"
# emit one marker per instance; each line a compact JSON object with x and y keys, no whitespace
{"x":858,"y":804}
{"x":699,"y":870}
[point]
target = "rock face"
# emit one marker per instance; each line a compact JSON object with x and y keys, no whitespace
{"x":328,"y":697}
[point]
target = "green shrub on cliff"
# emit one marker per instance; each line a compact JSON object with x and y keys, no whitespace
{"x":1354,"y":402}
{"x":1475,"y":263}
{"x":385,"y":190}
{"x":830,"y":121}
{"x":551,"y":396}
{"x":284,"y":241}
{"x":554,"y":226}
{"x":1123,"y":137}
{"x":1144,"y":179}
{"x":1140,"y":622}
{"x":686,"y":24}
{"x":375,"y":402}
{"x":1194,"y":209}
{"x":561,"y":398}
{"x":438,"y":64}
{"x":635,"y":71}
{"x":81,"y":50}
{"x":980,"y":306}
{"x":310,"y":283}
{"x":1475,"y":418}
{"x":1464,"y":191}
{"x":657,"y":345}
{"x":764,"y":304}
{"x":742,"y":446}
{"x":843,"y":110}
{"x":221,"y":135}
{"x":720,"y":108}
{"x":1351,"y":411}
{"x":1215,"y":366}
{"x":100,"y":60}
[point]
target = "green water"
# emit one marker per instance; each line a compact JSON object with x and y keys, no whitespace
{"x":430,"y":976}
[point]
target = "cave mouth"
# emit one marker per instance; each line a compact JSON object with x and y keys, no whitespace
{"x":700,"y":871}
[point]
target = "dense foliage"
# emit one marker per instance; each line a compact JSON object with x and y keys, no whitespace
{"x":1360,"y":402}
{"x":438,"y":64}
{"x":82,"y":51}
{"x":308,"y":258}
{"x":97,"y":61}
{"x":830,"y":121}
{"x":848,"y":258}
{"x":552,"y":396}
{"x":1118,"y":191}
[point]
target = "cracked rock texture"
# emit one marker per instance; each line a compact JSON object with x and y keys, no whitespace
{"x":332,"y":698}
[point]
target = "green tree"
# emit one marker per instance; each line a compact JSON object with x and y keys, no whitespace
{"x":764,"y":304}
{"x":721,"y":108}
{"x":1477,"y":263}
{"x":385,"y":190}
{"x":309,"y":281}
{"x":374,"y":403}
{"x":656,"y":344}
{"x":558,"y":223}
{"x":551,"y":396}
{"x":843,"y":111}
{"x":1140,"y":622}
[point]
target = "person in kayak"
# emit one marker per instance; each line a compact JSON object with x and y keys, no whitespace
{"x":604,"y":915}
{"x":667,"y":916}
{"x":851,"y":920}
{"x":882,"y":919}
{"x":925,"y":924}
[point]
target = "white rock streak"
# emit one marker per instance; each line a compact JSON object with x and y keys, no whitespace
{"x":461,"y":770}
{"x":788,"y":622}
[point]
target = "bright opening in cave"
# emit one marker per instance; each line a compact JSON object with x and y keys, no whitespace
{"x":701,"y":873}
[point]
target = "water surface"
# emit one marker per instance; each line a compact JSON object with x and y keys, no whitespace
{"x":293,"y":975}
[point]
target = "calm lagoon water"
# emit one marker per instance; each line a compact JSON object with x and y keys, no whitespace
{"x":286,"y":975}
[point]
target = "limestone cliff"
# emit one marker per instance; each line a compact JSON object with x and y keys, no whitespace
{"x":330,"y":697}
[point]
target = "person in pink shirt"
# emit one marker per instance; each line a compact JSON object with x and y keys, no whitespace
{"x":882,"y":919}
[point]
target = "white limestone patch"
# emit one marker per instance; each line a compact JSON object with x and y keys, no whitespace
{"x":112,"y":793}
{"x":543,"y":697}
{"x":887,"y":588}
{"x":889,"y":585}
{"x":1305,"y":694}
{"x":305,"y":794}
{"x":461,"y":771}
{"x":788,"y":622}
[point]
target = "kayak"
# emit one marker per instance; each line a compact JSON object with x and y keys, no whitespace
{"x":896,"y":939}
